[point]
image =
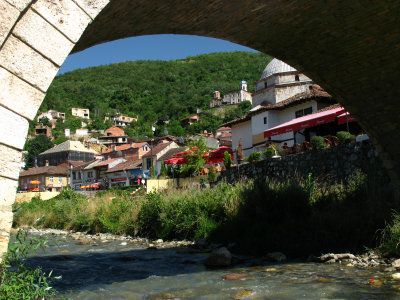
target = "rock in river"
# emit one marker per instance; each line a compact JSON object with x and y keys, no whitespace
{"x":220,"y":257}
{"x":276,"y":256}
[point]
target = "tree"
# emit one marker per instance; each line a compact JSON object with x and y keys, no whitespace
{"x":34,"y":147}
{"x":195,"y":156}
{"x":212,"y":176}
{"x":45,"y":121}
{"x":153,"y":172}
{"x":164,"y":171}
{"x":227,"y":160}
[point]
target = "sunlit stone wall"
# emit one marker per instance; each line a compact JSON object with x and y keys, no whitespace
{"x":35,"y":39}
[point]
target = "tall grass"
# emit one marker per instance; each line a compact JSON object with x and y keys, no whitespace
{"x":296,"y":216}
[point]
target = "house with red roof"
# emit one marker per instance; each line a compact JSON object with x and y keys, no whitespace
{"x":125,"y":173}
{"x":103,"y":166}
{"x":128,"y":151}
{"x":156,"y":156}
{"x":114,"y":136}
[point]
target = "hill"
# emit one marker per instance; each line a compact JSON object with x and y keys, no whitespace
{"x":153,"y":90}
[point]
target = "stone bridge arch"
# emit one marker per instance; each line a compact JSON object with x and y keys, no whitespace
{"x":351,"y":48}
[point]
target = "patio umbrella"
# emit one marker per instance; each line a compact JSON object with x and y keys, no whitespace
{"x":95,"y":186}
{"x":35,"y":190}
{"x":217,"y":156}
{"x":84,"y":187}
{"x":176,"y":161}
{"x":35,"y":182}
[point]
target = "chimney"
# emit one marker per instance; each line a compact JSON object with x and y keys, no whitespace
{"x":47,"y":163}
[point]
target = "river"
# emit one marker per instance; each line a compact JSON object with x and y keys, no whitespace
{"x":114,"y":269}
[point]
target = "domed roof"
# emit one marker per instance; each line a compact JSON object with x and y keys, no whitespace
{"x":276,"y":66}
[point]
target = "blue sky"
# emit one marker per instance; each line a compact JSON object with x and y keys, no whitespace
{"x":149,"y":47}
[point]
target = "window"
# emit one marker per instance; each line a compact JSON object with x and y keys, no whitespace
{"x":303,"y":112}
{"x":265,"y":85}
{"x":51,"y":179}
{"x":296,"y":78}
{"x":148,"y":163}
{"x":22,"y":181}
{"x":308,"y":111}
{"x":265,"y":120}
{"x":59,"y":179}
{"x":90,"y":174}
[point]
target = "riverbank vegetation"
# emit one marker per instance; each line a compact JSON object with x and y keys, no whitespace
{"x":298,"y":217}
{"x":19,"y":281}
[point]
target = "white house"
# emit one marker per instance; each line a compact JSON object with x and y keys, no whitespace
{"x":80,"y":112}
{"x":282,"y":94}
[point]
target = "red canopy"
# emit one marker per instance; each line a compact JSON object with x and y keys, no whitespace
{"x":305,"y":122}
{"x":217,"y":156}
{"x":180,"y":154}
{"x":341,"y":119}
{"x":176,"y":161}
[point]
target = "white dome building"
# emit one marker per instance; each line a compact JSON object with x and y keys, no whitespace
{"x":278,"y":82}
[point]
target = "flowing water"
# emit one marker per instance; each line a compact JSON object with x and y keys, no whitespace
{"x":120,"y":270}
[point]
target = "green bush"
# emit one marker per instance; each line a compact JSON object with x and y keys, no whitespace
{"x":164,"y":171}
{"x":268,"y":153}
{"x":317,"y":143}
{"x":296,"y":216}
{"x":390,"y":240}
{"x":19,"y":281}
{"x":254,"y":157}
{"x":343,"y":136}
{"x":227,"y":160}
{"x":212,"y":176}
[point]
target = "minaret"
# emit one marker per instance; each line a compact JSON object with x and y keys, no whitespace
{"x":243,"y":85}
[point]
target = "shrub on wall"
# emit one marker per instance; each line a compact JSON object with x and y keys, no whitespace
{"x":317,"y":142}
{"x":254,"y":157}
{"x":227,"y":159}
{"x":268,"y":153}
{"x":344,"y":135}
{"x":164,"y":171}
{"x":212,"y":176}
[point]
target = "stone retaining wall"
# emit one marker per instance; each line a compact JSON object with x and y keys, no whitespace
{"x":329,"y":165}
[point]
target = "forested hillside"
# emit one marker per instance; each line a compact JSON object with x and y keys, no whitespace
{"x":153,"y":90}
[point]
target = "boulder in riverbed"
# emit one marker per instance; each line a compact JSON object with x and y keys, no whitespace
{"x":396,"y":264}
{"x":220,"y":257}
{"x":276,"y":256}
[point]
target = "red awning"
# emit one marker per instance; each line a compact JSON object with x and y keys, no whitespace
{"x":305,"y":122}
{"x":217,"y":156}
{"x":176,"y":161}
{"x":341,"y":119}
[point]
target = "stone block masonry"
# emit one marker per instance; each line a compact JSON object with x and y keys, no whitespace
{"x":35,"y":38}
{"x":332,"y":165}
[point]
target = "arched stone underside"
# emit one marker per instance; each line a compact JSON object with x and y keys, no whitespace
{"x":351,"y":48}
